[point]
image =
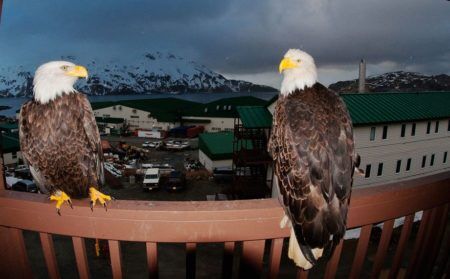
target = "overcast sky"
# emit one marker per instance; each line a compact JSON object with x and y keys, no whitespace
{"x":240,"y":38}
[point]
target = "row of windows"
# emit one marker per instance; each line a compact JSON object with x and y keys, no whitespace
{"x":408,"y":164}
{"x":403,"y":130}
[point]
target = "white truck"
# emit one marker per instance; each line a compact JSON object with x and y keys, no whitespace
{"x":151,"y":179}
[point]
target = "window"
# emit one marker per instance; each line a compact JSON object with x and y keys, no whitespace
{"x":436,"y":128}
{"x":372,"y":133}
{"x":448,"y":126}
{"x":14,"y":155}
{"x":413,"y":129}
{"x":367,"y":173}
{"x":106,"y":115}
{"x":408,"y":164}
{"x":432,"y":160}
{"x":399,"y":165}
{"x":134,"y":116}
{"x":424,"y":161}
{"x":444,"y":160}
{"x":428,"y":127}
{"x":385,"y":132}
{"x":380,"y":169}
{"x":402,"y":134}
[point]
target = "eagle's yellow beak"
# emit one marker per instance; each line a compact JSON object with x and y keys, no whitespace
{"x":287,"y":63}
{"x":78,"y":71}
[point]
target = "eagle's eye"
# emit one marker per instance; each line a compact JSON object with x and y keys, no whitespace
{"x":64,"y":68}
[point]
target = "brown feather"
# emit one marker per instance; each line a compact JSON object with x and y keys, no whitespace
{"x":313,"y":150}
{"x":61,"y":143}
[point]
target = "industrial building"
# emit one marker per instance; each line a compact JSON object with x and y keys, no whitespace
{"x":10,"y":148}
{"x":167,"y":113}
{"x":399,"y":136}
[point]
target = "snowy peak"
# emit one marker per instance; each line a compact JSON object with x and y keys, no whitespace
{"x":397,"y":82}
{"x":156,"y":72}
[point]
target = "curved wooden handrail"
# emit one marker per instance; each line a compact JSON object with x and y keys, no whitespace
{"x":209,"y":221}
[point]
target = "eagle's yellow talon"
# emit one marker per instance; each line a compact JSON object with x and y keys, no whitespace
{"x":60,"y":197}
{"x":97,"y":195}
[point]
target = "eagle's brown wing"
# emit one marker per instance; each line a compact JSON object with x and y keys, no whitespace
{"x":61,"y":143}
{"x":93,"y":136}
{"x":312,"y":145}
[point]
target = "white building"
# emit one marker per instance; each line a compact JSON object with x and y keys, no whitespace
{"x":11,"y":148}
{"x":399,"y":136}
{"x":167,"y":113}
{"x":216,"y":150}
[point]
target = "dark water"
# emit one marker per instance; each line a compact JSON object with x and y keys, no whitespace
{"x":15,"y":103}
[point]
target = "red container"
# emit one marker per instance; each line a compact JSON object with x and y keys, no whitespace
{"x":194,"y":131}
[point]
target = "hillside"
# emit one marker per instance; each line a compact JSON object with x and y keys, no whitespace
{"x":396,"y":82}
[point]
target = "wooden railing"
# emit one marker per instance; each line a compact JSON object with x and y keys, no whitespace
{"x":249,"y":225}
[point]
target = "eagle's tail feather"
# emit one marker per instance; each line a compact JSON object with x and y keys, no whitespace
{"x":297,"y":253}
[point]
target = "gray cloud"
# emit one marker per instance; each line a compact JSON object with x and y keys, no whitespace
{"x":237,"y":37}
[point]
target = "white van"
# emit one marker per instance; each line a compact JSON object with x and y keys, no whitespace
{"x":151,"y":179}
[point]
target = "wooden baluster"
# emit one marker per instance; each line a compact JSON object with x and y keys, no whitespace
{"x":80,"y":256}
{"x":152,"y":259}
{"x":333,"y":263}
{"x":302,"y":274}
{"x":116,"y":258}
{"x":361,"y":250}
{"x":382,"y":248}
{"x":437,"y":234}
{"x":406,"y":231}
{"x":413,"y":262}
{"x":190,"y":260}
{"x":49,"y":255}
{"x":276,"y":247}
{"x":251,"y":259}
{"x":227,"y":263}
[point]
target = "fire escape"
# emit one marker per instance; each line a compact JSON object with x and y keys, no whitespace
{"x":251,"y":161}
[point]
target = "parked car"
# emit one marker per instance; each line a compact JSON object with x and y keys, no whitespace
{"x":151,"y":179}
{"x":146,"y":144}
{"x":223,"y":175}
{"x":25,"y":185}
{"x":164,"y":169}
{"x":175,"y":181}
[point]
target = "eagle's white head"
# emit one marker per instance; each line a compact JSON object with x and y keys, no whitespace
{"x":55,"y":78}
{"x":299,"y":71}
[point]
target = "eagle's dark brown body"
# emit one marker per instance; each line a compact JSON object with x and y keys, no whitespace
{"x":61,"y":143}
{"x":312,"y":146}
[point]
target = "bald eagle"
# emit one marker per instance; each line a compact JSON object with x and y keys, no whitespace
{"x":314,"y":159}
{"x":59,"y":138}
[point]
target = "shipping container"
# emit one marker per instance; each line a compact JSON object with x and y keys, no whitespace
{"x":194,"y":131}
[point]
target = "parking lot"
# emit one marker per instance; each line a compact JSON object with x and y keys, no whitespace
{"x":197,"y":186}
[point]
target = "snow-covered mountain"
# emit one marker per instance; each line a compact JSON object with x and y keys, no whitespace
{"x":155,"y":73}
{"x":397,"y":82}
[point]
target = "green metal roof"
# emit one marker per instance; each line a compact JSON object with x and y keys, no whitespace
{"x":255,"y":116}
{"x":163,"y":109}
{"x":224,"y":107}
{"x":217,"y":146}
{"x":10,"y":142}
{"x":371,"y":108}
{"x":112,"y":120}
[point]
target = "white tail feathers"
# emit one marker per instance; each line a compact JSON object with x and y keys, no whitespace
{"x":295,"y":253}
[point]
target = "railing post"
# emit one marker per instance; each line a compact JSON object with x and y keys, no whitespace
{"x":14,"y":263}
